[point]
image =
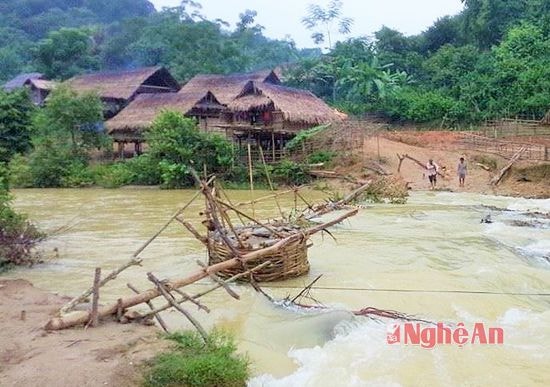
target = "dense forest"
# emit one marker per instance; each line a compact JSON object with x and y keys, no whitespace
{"x":491,"y":60}
{"x":64,"y":38}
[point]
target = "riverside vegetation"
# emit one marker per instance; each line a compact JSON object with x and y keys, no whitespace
{"x":193,"y":362}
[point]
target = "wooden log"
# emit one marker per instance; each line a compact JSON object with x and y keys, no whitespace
{"x":111,"y":276}
{"x":401,"y":159}
{"x":503,"y":171}
{"x":152,"y":307}
{"x":217,"y":286}
{"x":483,"y":166}
{"x":119,"y":310}
{"x":166,"y":294}
{"x":325,"y":174}
{"x":81,"y":317}
{"x":355,"y":194}
{"x":94,"y":320}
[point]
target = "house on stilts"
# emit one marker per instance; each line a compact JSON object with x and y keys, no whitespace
{"x":269,"y":115}
{"x":129,"y":125}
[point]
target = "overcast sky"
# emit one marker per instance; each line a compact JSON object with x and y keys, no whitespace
{"x":283,"y":17}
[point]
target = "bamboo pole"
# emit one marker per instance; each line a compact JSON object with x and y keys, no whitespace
{"x":170,"y":298}
{"x":269,"y":181}
{"x":152,"y":307}
{"x":81,"y":317}
{"x":274,"y":195}
{"x":205,"y":292}
{"x":251,"y":177}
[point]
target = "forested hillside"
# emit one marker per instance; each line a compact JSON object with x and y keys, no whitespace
{"x":62,"y":38}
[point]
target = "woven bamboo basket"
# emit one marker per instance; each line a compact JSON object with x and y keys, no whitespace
{"x":289,"y":262}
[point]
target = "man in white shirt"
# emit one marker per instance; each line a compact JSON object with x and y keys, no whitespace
{"x":432,"y":169}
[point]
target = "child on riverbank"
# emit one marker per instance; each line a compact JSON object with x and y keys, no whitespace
{"x":461,"y":170}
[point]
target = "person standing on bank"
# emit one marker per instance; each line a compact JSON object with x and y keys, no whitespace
{"x":432,"y":169}
{"x":462,"y":170}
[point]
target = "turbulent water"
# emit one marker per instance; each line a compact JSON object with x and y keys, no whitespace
{"x":432,"y":258}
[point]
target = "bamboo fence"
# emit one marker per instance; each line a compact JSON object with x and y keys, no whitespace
{"x":506,"y":149}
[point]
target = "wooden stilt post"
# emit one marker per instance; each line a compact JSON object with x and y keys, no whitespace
{"x":273,"y":144}
{"x":94,"y":320}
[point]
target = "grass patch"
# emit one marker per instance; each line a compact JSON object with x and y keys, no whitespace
{"x":194,"y":363}
{"x":536,"y":173}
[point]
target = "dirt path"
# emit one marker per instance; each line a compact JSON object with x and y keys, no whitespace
{"x":29,"y":356}
{"x":442,"y":152}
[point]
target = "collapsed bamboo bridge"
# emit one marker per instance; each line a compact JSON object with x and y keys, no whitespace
{"x":277,"y":250}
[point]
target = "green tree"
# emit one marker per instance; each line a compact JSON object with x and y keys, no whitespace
{"x":71,"y":118}
{"x":66,"y":52}
{"x":176,"y":144}
{"x":15,"y":123}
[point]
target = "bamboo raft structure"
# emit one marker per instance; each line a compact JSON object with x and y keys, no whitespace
{"x":255,"y":252}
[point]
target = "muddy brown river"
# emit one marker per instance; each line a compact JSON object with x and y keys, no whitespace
{"x":432,"y":258}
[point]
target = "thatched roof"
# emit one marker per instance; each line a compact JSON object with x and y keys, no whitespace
{"x":227,"y":87}
{"x":143,"y":110}
{"x":295,"y":104}
{"x":20,"y":80}
{"x":41,"y":84}
{"x":123,"y":85}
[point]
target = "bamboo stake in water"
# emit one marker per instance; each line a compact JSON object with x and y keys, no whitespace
{"x":251,"y":180}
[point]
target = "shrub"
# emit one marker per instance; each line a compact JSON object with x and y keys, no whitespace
{"x":112,"y":175}
{"x":290,"y":173}
{"x":17,"y":236}
{"x":195,"y":363}
{"x":145,"y":170}
{"x":321,"y":157}
{"x":20,"y":175}
{"x":302,"y":136}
